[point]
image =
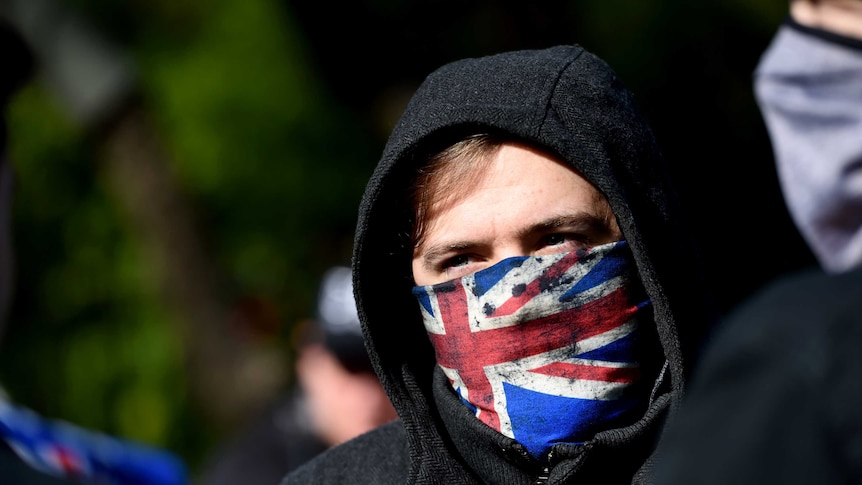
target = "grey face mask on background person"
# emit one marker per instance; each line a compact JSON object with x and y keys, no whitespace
{"x":828,"y":210}
{"x":824,"y":198}
{"x":822,"y":181}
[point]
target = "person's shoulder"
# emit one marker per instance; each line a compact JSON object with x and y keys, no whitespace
{"x":273,"y":444}
{"x":807,"y":307}
{"x":808,"y":292}
{"x":377,"y":457}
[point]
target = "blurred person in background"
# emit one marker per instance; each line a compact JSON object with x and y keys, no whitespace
{"x":336,"y":397}
{"x":35,"y":450}
{"x":777,"y":397}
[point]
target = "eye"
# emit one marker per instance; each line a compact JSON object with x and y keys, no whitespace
{"x":555,"y":239}
{"x":459,"y":265}
{"x":455,"y":261}
{"x":562,"y":241}
{"x":561,"y":238}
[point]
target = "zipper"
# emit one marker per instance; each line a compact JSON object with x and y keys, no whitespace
{"x":545,"y":471}
{"x":545,"y":474}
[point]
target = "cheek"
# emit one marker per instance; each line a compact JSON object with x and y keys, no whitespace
{"x":418,"y":275}
{"x":435,"y":227}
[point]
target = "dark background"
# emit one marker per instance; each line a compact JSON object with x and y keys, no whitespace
{"x":171,"y":237}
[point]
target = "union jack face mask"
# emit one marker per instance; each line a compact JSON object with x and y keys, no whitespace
{"x":544,"y":349}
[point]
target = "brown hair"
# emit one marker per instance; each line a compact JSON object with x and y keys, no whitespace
{"x":447,"y":175}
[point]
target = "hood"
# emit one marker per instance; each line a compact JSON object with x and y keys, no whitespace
{"x":569,"y":102}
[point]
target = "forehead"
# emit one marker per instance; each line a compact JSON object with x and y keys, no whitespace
{"x":515,"y":185}
{"x":510,"y":168}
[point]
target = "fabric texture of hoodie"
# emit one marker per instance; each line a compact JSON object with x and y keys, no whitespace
{"x":569,"y":103}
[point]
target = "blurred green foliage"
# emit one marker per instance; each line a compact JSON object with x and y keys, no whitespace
{"x":85,"y":341}
{"x":274,"y":163}
{"x":275,"y":166}
{"x":274,"y":171}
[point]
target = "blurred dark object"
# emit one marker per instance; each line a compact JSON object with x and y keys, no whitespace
{"x":394,"y":44}
{"x":18,"y":69}
{"x":19,"y":63}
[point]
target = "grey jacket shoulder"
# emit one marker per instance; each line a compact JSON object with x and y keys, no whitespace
{"x":378,"y":457}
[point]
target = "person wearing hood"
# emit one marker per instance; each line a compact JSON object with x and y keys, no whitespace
{"x":528,"y":291}
{"x":776,"y":397}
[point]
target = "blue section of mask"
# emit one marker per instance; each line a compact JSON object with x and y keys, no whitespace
{"x":620,"y":350}
{"x":488,"y":277}
{"x":616,"y":262}
{"x":540,"y":420}
{"x":424,"y":299}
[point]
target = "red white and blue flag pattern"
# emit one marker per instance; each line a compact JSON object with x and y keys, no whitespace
{"x":64,"y":450}
{"x":542,"y":349}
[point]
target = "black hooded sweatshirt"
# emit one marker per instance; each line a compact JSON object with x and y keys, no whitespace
{"x":569,"y":103}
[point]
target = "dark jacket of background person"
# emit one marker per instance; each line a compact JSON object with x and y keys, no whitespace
{"x":336,"y":397}
{"x":777,"y":397}
{"x":569,"y":102}
{"x":273,"y":444}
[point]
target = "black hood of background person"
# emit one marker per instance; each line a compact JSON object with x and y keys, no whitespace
{"x":337,"y":320}
{"x":569,"y":102}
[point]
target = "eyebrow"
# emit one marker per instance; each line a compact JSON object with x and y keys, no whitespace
{"x":585,"y":221}
{"x":437,"y":251}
